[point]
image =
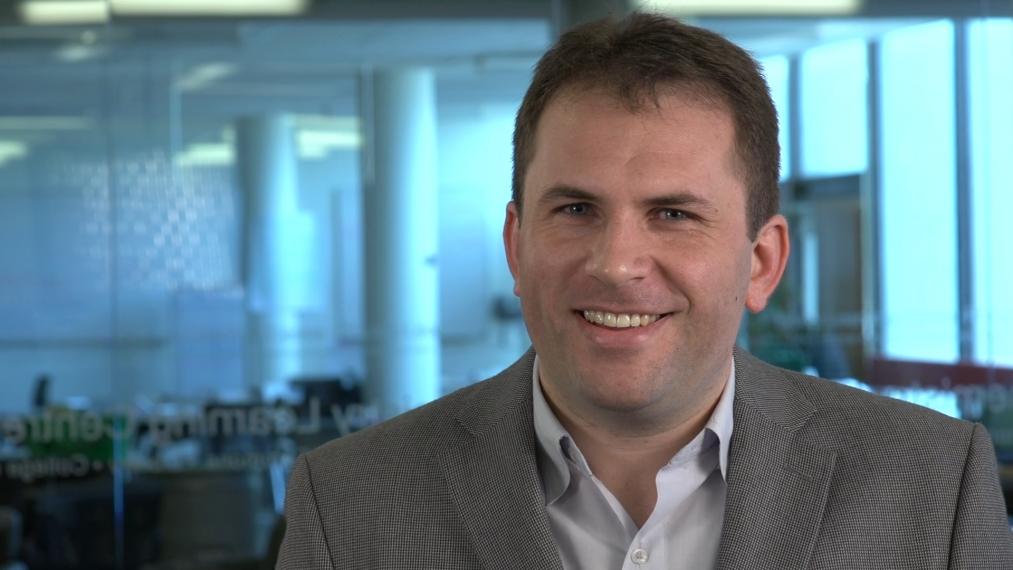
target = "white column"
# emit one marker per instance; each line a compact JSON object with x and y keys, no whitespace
{"x":399,"y":203}
{"x":276,"y":241}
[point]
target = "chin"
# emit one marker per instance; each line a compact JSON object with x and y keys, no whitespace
{"x":621,"y":406}
{"x":621,"y":398}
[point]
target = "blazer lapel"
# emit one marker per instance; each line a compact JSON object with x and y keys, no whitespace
{"x":778,"y":480}
{"x":492,"y":473}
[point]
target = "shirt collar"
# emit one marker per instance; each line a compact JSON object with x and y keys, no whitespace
{"x":720,"y":422}
{"x":552,"y":437}
{"x":554,"y":442}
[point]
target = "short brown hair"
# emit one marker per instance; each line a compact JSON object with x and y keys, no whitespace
{"x":635,"y":56}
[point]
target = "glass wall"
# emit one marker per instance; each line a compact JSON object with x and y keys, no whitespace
{"x":918,"y":194}
{"x":186,"y":250}
{"x":897,"y":281}
{"x":990,"y":84}
{"x":182,"y":290}
{"x":833,"y":109}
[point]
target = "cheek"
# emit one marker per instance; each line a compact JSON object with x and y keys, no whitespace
{"x":548,"y":285}
{"x":532,"y":275}
{"x":719,"y":282}
{"x":738,"y":287}
{"x":548,"y":266}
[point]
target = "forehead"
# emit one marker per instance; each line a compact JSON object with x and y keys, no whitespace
{"x":678,"y":132}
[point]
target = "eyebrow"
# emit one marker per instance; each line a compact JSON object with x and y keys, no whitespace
{"x":678,"y":199}
{"x":669,"y":200}
{"x":565,"y":192}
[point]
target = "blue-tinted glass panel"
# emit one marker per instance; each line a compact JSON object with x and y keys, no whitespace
{"x":834,"y":109}
{"x":990,"y":61}
{"x":918,"y":222}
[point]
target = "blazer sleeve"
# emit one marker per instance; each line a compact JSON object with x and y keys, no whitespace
{"x":981,"y":536}
{"x":305,"y":544}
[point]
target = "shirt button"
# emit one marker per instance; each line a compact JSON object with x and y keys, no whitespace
{"x":639,"y":556}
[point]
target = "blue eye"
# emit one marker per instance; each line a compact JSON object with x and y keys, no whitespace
{"x":673,"y":214}
{"x":578,"y":209}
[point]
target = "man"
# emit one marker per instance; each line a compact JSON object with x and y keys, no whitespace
{"x":643,"y":221}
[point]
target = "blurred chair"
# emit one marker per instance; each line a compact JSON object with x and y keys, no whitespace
{"x":40,"y":393}
{"x":216,"y":516}
{"x":274,"y":545}
{"x":10,"y":540}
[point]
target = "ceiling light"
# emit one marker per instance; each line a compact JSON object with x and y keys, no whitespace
{"x":207,"y":154}
{"x":319,"y":135}
{"x":64,"y":12}
{"x":318,"y":144}
{"x":202,"y":75}
{"x":10,"y":150}
{"x":751,"y":7}
{"x":207,"y":7}
{"x":45,"y":123}
{"x":73,"y":53}
{"x":326,"y":122}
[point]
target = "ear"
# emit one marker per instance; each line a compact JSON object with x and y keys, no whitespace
{"x":770,"y":256}
{"x":511,"y":241}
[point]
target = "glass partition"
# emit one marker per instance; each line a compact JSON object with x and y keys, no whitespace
{"x":183,"y":250}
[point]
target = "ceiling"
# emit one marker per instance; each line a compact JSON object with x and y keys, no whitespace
{"x":206,"y":73}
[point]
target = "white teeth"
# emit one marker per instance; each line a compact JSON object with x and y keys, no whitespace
{"x":619,"y":320}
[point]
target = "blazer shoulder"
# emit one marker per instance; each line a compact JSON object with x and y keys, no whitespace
{"x":420,"y":433}
{"x":847,"y":416}
{"x":415,"y":432}
{"x":839,"y":416}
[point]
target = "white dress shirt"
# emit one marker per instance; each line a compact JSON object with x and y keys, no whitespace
{"x":592,"y":528}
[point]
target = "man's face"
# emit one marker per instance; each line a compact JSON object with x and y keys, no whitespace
{"x":636,"y":217}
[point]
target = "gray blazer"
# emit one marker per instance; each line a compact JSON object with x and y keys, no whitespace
{"x":819,"y":476}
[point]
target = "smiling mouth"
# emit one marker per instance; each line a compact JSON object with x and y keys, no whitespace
{"x":619,"y":320}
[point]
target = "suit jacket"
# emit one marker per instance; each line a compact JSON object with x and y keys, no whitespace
{"x":819,"y":476}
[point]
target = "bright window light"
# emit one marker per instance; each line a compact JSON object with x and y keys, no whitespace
{"x":918,"y":196}
{"x":834,"y":110}
{"x":753,"y":7}
{"x":207,"y":7}
{"x":990,"y":59}
{"x":64,"y":12}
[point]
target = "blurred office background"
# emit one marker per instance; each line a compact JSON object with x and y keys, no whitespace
{"x":230,"y":231}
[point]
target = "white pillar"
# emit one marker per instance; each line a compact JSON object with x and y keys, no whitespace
{"x":400,"y":186}
{"x":276,"y":241}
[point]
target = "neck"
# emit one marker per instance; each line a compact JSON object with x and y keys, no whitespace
{"x":636,"y":447}
{"x":626,"y":455}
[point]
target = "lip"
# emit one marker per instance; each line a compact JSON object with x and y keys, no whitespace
{"x":631,"y":338}
{"x":626,"y":310}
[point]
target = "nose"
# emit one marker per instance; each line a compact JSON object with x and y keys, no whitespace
{"x":619,"y":253}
